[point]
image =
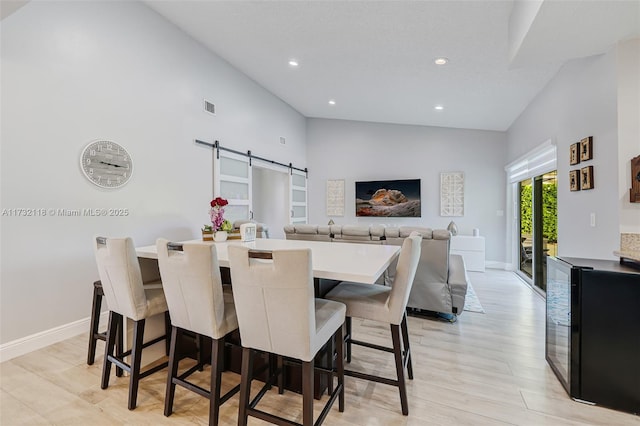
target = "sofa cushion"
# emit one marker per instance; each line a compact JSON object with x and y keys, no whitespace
{"x":353,"y":233}
{"x":306,"y":229}
{"x":392,"y":232}
{"x":356,"y":230}
{"x":324,"y":229}
{"x":377,"y":232}
{"x":307,"y":232}
{"x":441,"y":234}
{"x":426,"y":233}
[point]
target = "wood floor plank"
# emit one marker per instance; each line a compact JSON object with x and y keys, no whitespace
{"x":13,"y":412}
{"x":588,"y":414}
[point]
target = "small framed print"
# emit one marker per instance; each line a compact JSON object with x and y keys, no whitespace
{"x":574,"y":180}
{"x":586,"y":149}
{"x":586,"y":177}
{"x":574,"y":153}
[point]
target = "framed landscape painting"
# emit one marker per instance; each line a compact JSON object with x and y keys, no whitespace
{"x":388,"y":198}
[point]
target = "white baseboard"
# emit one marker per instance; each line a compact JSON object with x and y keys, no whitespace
{"x":491,"y":264}
{"x":39,"y":340}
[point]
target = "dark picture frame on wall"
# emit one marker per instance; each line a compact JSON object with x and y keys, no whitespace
{"x":586,"y":177}
{"x":388,"y":198}
{"x":586,"y":149}
{"x":574,"y":180}
{"x":574,"y":153}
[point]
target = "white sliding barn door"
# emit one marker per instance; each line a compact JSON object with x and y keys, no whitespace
{"x":232,"y":181}
{"x":298,"y":196}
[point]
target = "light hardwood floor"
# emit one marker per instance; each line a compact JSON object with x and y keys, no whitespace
{"x":486,"y":369}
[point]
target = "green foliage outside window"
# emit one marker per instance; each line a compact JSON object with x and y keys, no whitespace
{"x":549,"y":211}
{"x":526,"y":210}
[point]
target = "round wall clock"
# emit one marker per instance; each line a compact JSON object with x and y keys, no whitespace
{"x":106,"y":164}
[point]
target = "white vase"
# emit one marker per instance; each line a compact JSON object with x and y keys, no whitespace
{"x":220,"y":236}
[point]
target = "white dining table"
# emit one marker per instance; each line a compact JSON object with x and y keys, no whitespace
{"x":362,"y":263}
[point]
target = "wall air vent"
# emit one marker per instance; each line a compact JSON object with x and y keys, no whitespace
{"x":209,"y":107}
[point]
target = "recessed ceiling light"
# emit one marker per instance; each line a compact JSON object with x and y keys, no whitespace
{"x":439,"y":107}
{"x":293,"y":63}
{"x":441,"y":61}
{"x":332,"y":102}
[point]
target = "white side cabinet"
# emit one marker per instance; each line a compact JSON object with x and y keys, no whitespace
{"x":471,"y":249}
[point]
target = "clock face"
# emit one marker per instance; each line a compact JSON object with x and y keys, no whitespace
{"x":106,"y":164}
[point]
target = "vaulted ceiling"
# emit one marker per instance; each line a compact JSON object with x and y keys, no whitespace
{"x":375,"y":59}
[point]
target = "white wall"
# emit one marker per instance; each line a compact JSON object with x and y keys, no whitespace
{"x":355,"y":151}
{"x":579,"y":101}
{"x":628,"y":73}
{"x":76,"y":71}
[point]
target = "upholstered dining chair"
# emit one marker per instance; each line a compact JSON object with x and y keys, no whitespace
{"x":278,"y":313}
{"x":384,"y":304}
{"x":199,"y":303}
{"x":127,"y":297}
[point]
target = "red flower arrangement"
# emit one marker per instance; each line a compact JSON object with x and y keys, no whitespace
{"x":219,"y":202}
{"x":217,"y":215}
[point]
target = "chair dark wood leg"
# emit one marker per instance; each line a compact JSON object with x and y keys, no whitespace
{"x":272,"y":359}
{"x":120,"y":344}
{"x":407,"y":348}
{"x":136,"y":355}
{"x":245,"y":385}
{"x":95,"y":320}
{"x":173,"y":372}
{"x":280,"y":366}
{"x":331,"y":366}
{"x":217,"y":360}
{"x":112,"y":331}
{"x":167,"y":332}
{"x":307,"y":393}
{"x":340,"y":367}
{"x":349,"y":336}
{"x":200,"y":352}
{"x":94,"y":334}
{"x":397,"y":352}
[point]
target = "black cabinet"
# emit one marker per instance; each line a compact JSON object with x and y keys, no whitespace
{"x":593,"y":330}
{"x":610,"y":343}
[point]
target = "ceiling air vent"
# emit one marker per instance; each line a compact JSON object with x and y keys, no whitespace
{"x":209,"y":107}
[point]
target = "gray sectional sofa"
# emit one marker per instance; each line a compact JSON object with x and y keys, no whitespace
{"x":441,"y":280}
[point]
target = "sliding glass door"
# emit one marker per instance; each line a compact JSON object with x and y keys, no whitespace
{"x":538,"y":226}
{"x":525,"y":190}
